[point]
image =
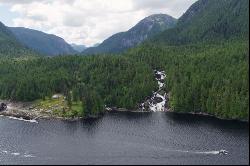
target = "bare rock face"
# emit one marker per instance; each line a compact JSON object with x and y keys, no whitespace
{"x":23,"y":111}
{"x":145,"y":29}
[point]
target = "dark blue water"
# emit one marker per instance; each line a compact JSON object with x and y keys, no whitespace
{"x":125,"y":138}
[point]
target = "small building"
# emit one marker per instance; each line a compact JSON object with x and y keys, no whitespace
{"x":56,"y":96}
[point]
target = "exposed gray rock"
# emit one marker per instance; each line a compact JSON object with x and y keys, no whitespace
{"x":145,"y":29}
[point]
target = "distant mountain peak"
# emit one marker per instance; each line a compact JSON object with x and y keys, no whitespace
{"x":78,"y":47}
{"x":158,"y":18}
{"x":162,"y":20}
{"x":146,"y":28}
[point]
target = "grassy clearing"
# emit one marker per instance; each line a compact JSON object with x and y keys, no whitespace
{"x":59,"y":107}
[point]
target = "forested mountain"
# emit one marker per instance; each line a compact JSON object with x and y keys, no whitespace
{"x":96,"y":45}
{"x":205,"y":57}
{"x":42,"y":43}
{"x":145,"y":29}
{"x":78,"y":48}
{"x":210,"y":20}
{"x":9,"y":46}
{"x":207,"y":78}
{"x":5,"y":34}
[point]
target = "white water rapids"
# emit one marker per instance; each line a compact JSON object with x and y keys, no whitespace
{"x":157,"y":103}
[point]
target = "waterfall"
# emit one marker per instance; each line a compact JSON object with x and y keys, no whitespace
{"x":158,"y":101}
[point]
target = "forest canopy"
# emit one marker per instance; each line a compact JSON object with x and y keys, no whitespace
{"x":205,"y":77}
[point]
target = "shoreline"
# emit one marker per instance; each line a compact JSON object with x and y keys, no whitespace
{"x":22,"y":110}
{"x":31,"y":118}
{"x":26,"y":111}
{"x":27,"y":117}
{"x":201,"y":114}
{"x":178,"y":113}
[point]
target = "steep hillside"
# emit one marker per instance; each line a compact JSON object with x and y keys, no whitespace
{"x":210,"y":20}
{"x":43,"y":43}
{"x":9,"y":46}
{"x":145,"y":29}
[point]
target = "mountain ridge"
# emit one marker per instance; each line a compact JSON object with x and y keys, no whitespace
{"x":10,"y":46}
{"x":209,"y":20}
{"x":43,"y":43}
{"x":145,"y":29}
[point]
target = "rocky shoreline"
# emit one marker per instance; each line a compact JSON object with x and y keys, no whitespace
{"x":27,"y":112}
{"x":24,"y":113}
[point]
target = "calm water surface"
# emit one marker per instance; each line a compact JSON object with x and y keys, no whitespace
{"x":125,"y":138}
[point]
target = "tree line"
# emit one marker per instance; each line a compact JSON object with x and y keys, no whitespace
{"x":202,"y":78}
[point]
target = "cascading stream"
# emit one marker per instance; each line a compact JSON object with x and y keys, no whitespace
{"x":157,"y":103}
